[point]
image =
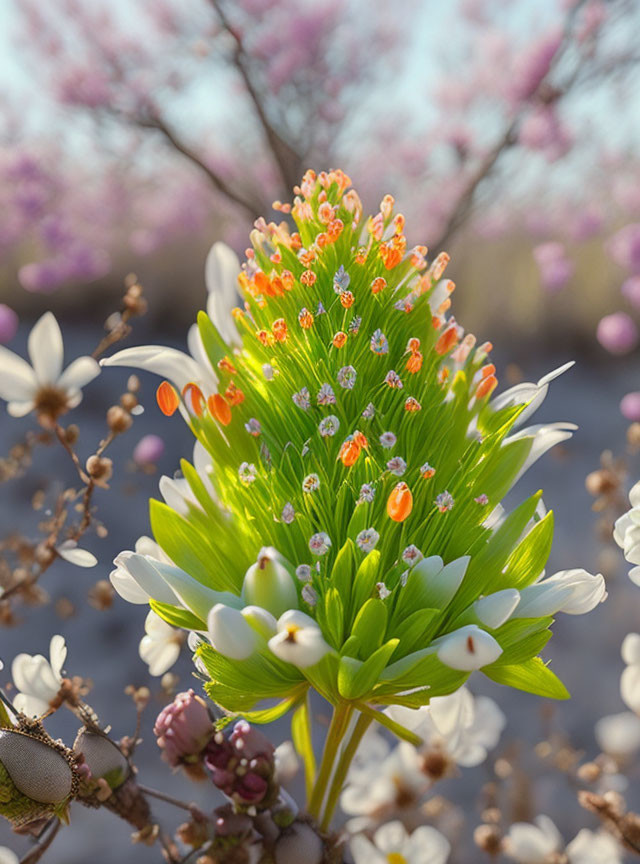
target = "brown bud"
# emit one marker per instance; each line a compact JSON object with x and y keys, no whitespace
{"x":101,"y":595}
{"x":633,"y":435}
{"x":118,"y":420}
{"x":488,"y":838}
{"x":601,"y":482}
{"x":99,"y":468}
{"x":44,"y":554}
{"x":133,"y":383}
{"x":72,"y":433}
{"x":435,"y":764}
{"x":128,"y":401}
{"x":589,"y":772}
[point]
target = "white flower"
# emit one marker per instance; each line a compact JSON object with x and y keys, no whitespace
{"x":574,"y":592}
{"x":299,"y":640}
{"x":392,"y":843}
{"x":287,"y":763}
{"x":533,"y":844}
{"x":135,"y":590}
{"x":238,"y":634}
{"x":630,"y":678}
{"x":618,"y":734}
{"x":527,"y":392}
{"x":69,"y":551}
{"x":367,"y":539}
{"x":467,"y":648}
{"x":43,"y":386}
{"x":37,"y":679}
{"x":177,"y":492}
{"x":160,"y":646}
{"x":626,"y":533}
{"x":494,"y":609}
{"x":7,"y":856}
{"x":320,"y":543}
{"x":590,"y":847}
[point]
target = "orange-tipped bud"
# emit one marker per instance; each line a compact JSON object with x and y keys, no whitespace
{"x":308,"y":278}
{"x":414,"y":363}
{"x":413,"y":344}
{"x":400,"y":503}
{"x":487,"y":370}
{"x":265,"y":337}
{"x":447,"y":340}
{"x":347,"y":298}
{"x":360,"y":439}
{"x":378,"y":284}
{"x":280,"y":331}
{"x":340,"y":339}
{"x":349,"y":452}
{"x":194,"y":399}
{"x":167,"y":399}
{"x":486,"y":386}
{"x":334,"y":229}
{"x":225,"y":365}
{"x":219,"y":409}
{"x":234,"y":395}
{"x":287,"y":279}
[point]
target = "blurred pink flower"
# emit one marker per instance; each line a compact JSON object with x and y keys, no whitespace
{"x":617,"y":333}
{"x":554,"y":266}
{"x":624,"y":247}
{"x":630,"y":406}
{"x":542,"y":130}
{"x":148,"y":450}
{"x":533,"y":65}
{"x":631,"y":290}
{"x":8,"y":323}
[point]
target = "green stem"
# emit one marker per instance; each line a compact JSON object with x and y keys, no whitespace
{"x":342,"y":768}
{"x":339,"y":722}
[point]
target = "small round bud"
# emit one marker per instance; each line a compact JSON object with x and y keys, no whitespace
{"x":118,"y":420}
{"x":299,"y":843}
{"x":71,"y":433}
{"x":589,"y":772}
{"x":128,"y":401}
{"x":99,"y":468}
{"x":488,"y":838}
{"x":44,"y":554}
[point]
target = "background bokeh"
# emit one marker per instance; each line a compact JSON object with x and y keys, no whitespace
{"x":136,"y":133}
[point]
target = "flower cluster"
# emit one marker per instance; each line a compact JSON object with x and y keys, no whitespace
{"x":344,"y":529}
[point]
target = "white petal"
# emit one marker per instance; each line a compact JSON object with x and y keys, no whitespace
{"x":494,"y":609}
{"x":230,"y":633}
{"x":127,"y":587}
{"x":630,"y":687}
{"x":142,"y":571}
{"x":80,"y":557}
{"x":452,"y":713}
{"x":589,"y":847}
{"x":630,"y":649}
{"x":17,"y":379}
{"x":468,"y":648}
{"x":620,"y":528}
{"x":199,"y":598}
{"x":428,"y":846}
{"x":221,"y":276}
{"x":30,"y":705}
{"x":169,"y":363}
{"x":306,"y":649}
{"x":197,"y":351}
{"x":20,"y":409}
{"x":634,"y":495}
{"x":391,"y":837}
{"x":618,"y":734}
{"x":34,"y":676}
{"x":46,"y":349}
{"x":57,"y":655}
{"x":544,"y":438}
{"x":364,"y":852}
{"x":79,"y":373}
{"x":177,"y":493}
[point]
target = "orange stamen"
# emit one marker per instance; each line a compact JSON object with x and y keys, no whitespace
{"x":378,"y":284}
{"x":349,"y":453}
{"x":167,"y":399}
{"x":446,"y":342}
{"x":340,"y":339}
{"x":308,"y":278}
{"x":347,"y":298}
{"x":225,"y":365}
{"x":234,"y":395}
{"x":400,"y":503}
{"x":486,"y":386}
{"x":219,"y":409}
{"x":414,"y":363}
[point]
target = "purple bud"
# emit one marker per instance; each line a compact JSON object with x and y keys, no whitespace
{"x":148,"y":450}
{"x":242,"y":765}
{"x":617,"y":333}
{"x":250,"y":742}
{"x":8,"y":323}
{"x":183,"y":729}
{"x":630,"y":406}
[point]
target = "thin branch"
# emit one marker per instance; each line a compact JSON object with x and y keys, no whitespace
{"x":36,"y":853}
{"x":287,"y":159}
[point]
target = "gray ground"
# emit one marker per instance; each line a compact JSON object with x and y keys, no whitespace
{"x":103,"y":646}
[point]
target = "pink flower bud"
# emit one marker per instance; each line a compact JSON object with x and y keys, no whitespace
{"x":555,"y":268}
{"x":631,"y":290}
{"x":183,"y":729}
{"x":8,"y":323}
{"x":242,"y":765}
{"x":630,"y":406}
{"x":148,"y":450}
{"x":617,"y":333}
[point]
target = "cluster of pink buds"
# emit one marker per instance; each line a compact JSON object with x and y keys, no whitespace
{"x":183,"y":729}
{"x":242,"y":765}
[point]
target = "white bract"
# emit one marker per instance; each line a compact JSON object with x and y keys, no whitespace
{"x":37,"y":679}
{"x":467,"y":648}
{"x":392,"y":843}
{"x":299,"y":640}
{"x":43,"y":386}
{"x":626,"y":533}
{"x":574,"y":592}
{"x":590,"y":847}
{"x":69,"y":551}
{"x":528,"y":392}
{"x":239,"y":634}
{"x":160,"y":646}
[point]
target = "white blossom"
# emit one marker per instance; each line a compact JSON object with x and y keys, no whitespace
{"x":299,"y":640}
{"x":533,"y":844}
{"x":392,"y":843}
{"x":467,"y":648}
{"x":37,"y":679}
{"x":574,"y":592}
{"x":160,"y":646}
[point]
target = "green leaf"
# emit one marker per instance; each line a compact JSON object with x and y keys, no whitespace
{"x":214,"y":344}
{"x":275,"y":712}
{"x":334,"y":617}
{"x":302,"y":741}
{"x":370,"y":626}
{"x":177,"y":617}
{"x":200,"y":491}
{"x":365,"y":581}
{"x":343,"y":572}
{"x":415,"y":631}
{"x":528,"y":559}
{"x":501,"y":468}
{"x":532,"y":676}
{"x":355,"y":679}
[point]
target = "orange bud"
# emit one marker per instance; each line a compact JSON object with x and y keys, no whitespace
{"x":486,"y":386}
{"x":167,"y":399}
{"x":347,"y":298}
{"x":308,"y":278}
{"x":340,"y":339}
{"x":265,"y":337}
{"x":378,"y":284}
{"x":225,"y":365}
{"x":447,"y":340}
{"x":414,"y":363}
{"x":349,"y":453}
{"x":413,"y":344}
{"x":400,"y":503}
{"x":194,"y":399}
{"x":287,"y":279}
{"x":280,"y":330}
{"x":487,"y":370}
{"x":334,"y":229}
{"x":360,"y":439}
{"x":219,"y":409}
{"x":234,"y":395}
{"x":412,"y":404}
